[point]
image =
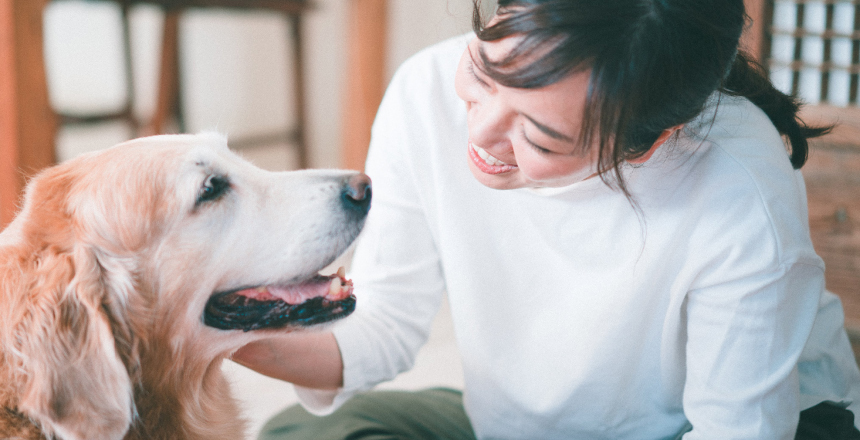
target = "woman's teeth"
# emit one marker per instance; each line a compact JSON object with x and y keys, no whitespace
{"x":487,"y":157}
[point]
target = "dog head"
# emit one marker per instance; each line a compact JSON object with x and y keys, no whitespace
{"x":146,"y":262}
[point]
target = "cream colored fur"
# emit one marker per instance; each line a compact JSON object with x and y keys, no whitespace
{"x":105,"y":273}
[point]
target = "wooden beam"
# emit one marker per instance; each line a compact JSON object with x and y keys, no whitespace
{"x":27,"y":123}
{"x":365,"y":83}
{"x":753,"y":39}
{"x":9,"y":185}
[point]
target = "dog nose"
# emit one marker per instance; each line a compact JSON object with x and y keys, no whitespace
{"x":357,"y":193}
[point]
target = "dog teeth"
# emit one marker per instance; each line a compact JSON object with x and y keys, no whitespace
{"x":334,"y":289}
{"x":262,"y":289}
{"x":339,"y":288}
{"x":341,"y":273}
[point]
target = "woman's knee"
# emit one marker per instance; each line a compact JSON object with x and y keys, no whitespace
{"x":378,"y":415}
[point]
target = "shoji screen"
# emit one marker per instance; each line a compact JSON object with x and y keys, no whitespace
{"x":814,"y":49}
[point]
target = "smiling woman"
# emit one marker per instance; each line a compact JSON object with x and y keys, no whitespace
{"x":513,"y":142}
{"x":629,"y":84}
{"x":647,"y":272}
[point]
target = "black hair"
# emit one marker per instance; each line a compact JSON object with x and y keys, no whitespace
{"x":654,"y":65}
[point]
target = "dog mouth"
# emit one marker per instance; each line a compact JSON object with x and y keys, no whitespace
{"x":318,"y":300}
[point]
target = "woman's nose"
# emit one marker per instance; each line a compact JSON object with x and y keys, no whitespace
{"x":489,"y":125}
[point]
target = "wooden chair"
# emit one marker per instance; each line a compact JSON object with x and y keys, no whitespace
{"x":28,"y":123}
{"x":168,"y":102}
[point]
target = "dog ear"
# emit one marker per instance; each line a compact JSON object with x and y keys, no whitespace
{"x":75,"y":384}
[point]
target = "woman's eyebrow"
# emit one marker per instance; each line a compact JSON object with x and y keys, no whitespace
{"x":549,"y":131}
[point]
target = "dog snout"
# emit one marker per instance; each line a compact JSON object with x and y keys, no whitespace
{"x":357,"y":193}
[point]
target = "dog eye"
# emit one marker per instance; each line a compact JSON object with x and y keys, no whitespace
{"x":213,"y":188}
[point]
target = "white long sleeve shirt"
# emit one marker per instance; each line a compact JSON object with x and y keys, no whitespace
{"x":700,"y":313}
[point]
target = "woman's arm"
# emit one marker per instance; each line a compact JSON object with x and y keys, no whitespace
{"x":396,"y":266}
{"x":310,"y":360}
{"x":744,"y":338}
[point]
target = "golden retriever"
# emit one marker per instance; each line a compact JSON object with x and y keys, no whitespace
{"x":130,"y":274}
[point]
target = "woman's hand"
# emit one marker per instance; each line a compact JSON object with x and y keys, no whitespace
{"x":310,"y":360}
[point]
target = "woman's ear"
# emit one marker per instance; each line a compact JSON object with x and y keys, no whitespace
{"x":664,"y":136}
{"x":75,"y":384}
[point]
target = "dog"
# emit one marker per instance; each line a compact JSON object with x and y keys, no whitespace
{"x":131,"y":273}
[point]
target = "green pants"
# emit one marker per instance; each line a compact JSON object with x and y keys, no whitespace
{"x":379,"y":415}
{"x":438,"y":414}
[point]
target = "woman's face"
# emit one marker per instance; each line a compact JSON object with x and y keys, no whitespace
{"x":521,"y":138}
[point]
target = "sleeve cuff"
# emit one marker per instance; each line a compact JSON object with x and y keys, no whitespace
{"x":321,"y":402}
{"x":324,"y":402}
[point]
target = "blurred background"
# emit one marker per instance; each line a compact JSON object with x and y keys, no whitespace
{"x":296,"y":85}
{"x":234,"y":66}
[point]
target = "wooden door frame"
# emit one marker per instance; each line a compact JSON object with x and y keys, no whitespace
{"x":27,"y":123}
{"x":365,"y":83}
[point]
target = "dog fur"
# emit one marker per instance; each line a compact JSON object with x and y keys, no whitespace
{"x":106,"y":270}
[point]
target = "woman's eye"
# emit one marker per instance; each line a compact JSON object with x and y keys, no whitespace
{"x":535,"y":146}
{"x":213,"y":188}
{"x":478,"y":79}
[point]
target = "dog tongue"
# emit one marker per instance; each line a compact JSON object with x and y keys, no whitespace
{"x":333,"y":288}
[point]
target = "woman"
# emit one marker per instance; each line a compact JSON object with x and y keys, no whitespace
{"x":647,"y":272}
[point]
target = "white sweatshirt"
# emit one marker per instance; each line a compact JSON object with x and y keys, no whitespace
{"x":579,"y":316}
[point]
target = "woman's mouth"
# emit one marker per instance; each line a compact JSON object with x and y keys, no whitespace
{"x":486,"y":162}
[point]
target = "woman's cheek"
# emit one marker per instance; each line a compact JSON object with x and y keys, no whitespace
{"x":543,"y":172}
{"x":535,"y":167}
{"x":555,"y":171}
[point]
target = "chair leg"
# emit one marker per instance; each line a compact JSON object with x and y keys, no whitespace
{"x":128,"y":111}
{"x":168,"y":87}
{"x":178,"y":103}
{"x":299,"y":91}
